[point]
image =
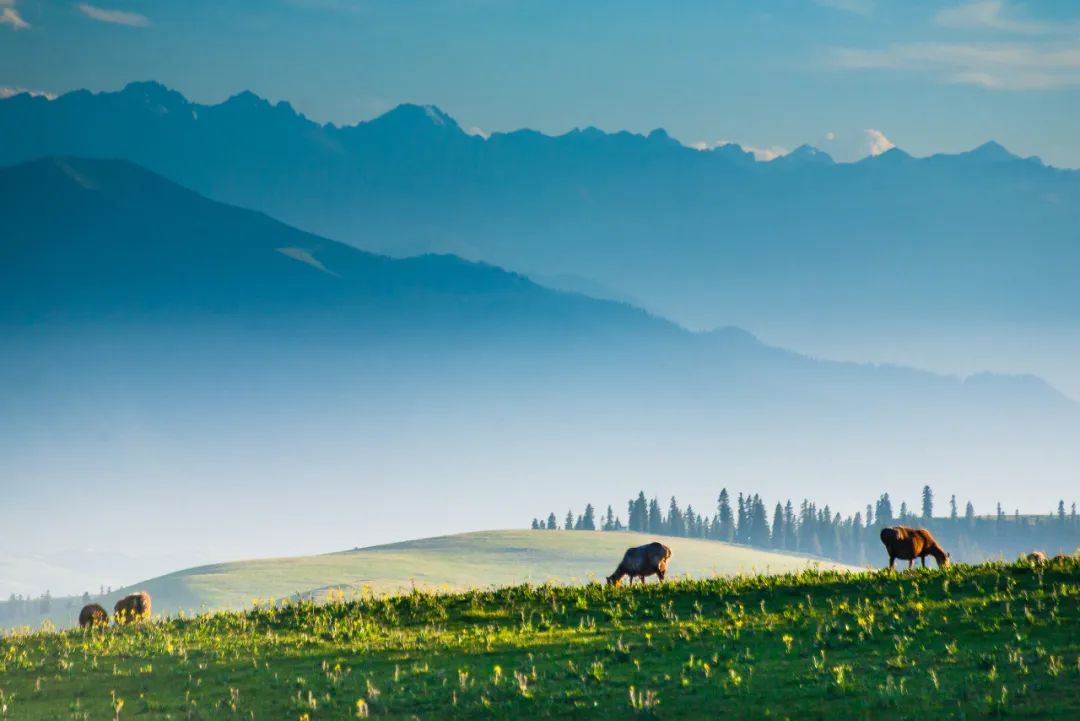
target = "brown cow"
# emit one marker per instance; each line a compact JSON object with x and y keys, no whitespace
{"x":648,"y":560}
{"x":908,"y":543}
{"x":93,"y":615}
{"x":1036,"y":557}
{"x":133,"y":608}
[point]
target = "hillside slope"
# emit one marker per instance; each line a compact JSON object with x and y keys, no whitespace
{"x":469,"y":560}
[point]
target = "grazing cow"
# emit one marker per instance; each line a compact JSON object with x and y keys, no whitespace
{"x":648,"y":560}
{"x":908,"y":543}
{"x":133,"y":608}
{"x":93,"y":615}
{"x":1061,"y":557}
{"x":1036,"y":557}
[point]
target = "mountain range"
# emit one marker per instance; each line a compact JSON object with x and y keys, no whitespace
{"x":956,"y":262}
{"x":198,"y":371}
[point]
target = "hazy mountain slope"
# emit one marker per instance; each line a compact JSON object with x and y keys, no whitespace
{"x":976,"y":235}
{"x":97,"y":239}
{"x":957,"y":262}
{"x":205,"y":378}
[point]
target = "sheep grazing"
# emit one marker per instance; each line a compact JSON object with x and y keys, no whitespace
{"x":1036,"y":557}
{"x":133,"y":608}
{"x":908,"y":543}
{"x":648,"y":560}
{"x":93,"y":615}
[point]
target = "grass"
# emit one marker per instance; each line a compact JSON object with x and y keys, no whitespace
{"x":458,"y":562}
{"x":963,"y":642}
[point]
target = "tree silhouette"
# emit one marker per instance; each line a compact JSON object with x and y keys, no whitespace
{"x":638,"y":519}
{"x":778,"y":526}
{"x":675,"y":523}
{"x":656,"y":517}
{"x":588,"y":520}
{"x":726,"y":521}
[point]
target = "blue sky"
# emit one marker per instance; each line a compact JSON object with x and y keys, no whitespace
{"x":770,"y":74}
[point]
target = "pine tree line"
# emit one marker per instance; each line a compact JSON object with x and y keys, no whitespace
{"x":19,"y":607}
{"x":820,"y":531}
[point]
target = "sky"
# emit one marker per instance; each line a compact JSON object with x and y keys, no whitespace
{"x":852,"y":77}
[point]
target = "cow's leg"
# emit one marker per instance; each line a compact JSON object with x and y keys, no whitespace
{"x":892,"y":563}
{"x":910,"y":564}
{"x":923,"y":559}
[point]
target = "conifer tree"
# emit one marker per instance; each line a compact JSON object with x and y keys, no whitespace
{"x":742,"y":522}
{"x":969,"y":514}
{"x":638,"y":518}
{"x":927,"y":503}
{"x":778,"y":526}
{"x":588,"y":520}
{"x":759,"y":523}
{"x":656,"y":517}
{"x":726,"y":521}
{"x":552,"y":524}
{"x":858,"y":555}
{"x":568,"y":525}
{"x":839,"y":551}
{"x":675,"y":523}
{"x":952,"y":507}
{"x":790,"y":533}
{"x":535,"y":524}
{"x":884,"y":513}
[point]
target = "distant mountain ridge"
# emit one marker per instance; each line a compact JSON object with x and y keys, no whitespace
{"x":704,"y":237}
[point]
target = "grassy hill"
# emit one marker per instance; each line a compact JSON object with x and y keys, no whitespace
{"x":962,"y":642}
{"x":458,"y":562}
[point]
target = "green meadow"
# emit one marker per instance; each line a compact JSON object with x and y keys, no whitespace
{"x":963,"y":642}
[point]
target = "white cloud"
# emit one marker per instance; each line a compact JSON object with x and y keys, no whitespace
{"x":761,"y":154}
{"x":999,"y":66}
{"x":875,"y":142}
{"x":116,"y":17}
{"x":478,"y":132}
{"x":994,"y":15}
{"x":10,"y":92}
{"x":764,"y":154}
{"x":10,"y":16}
{"x":830,"y":136}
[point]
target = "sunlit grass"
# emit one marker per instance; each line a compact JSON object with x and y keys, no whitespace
{"x":968,"y":641}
